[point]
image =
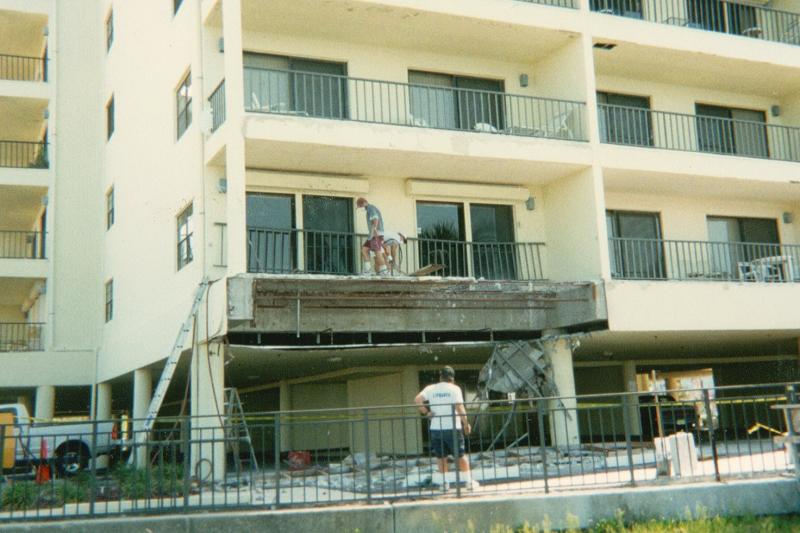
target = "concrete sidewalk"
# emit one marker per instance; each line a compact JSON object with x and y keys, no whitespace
{"x":559,"y":511}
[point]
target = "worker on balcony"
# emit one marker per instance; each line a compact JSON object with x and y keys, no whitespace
{"x":374,"y":243}
{"x":443,"y":404}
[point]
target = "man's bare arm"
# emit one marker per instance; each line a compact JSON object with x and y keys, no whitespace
{"x":462,"y":413}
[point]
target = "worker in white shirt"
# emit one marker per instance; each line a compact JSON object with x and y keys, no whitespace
{"x":438,"y":402}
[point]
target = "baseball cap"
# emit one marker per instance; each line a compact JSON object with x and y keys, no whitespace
{"x":447,"y":372}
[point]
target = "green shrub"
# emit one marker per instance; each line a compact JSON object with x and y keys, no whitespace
{"x":159,"y":481}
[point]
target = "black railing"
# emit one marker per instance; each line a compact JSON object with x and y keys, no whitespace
{"x":326,"y":252}
{"x":217,"y":102}
{"x":697,"y":133}
{"x":659,"y":259}
{"x":23,"y":154}
{"x":23,"y":68}
{"x":21,"y":336}
{"x":21,"y":245}
{"x":723,"y":16}
{"x":375,"y":454}
{"x":401,"y":104}
{"x":555,"y":3}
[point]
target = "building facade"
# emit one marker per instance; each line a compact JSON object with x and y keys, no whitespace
{"x":624,"y":170}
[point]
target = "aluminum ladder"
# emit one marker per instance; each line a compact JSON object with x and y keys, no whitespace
{"x":237,"y":432}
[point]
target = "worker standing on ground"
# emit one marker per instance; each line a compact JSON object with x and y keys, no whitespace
{"x":437,"y":402}
{"x":374,"y":242}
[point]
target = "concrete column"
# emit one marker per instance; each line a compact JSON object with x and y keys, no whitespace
{"x":103,"y":399}
{"x":629,"y":377}
{"x":207,"y":410}
{"x":142,"y":394}
{"x":25,"y":400}
{"x":285,"y":405}
{"x":563,"y":418}
{"x":45,"y":402}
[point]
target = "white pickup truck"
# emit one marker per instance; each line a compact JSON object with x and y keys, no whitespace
{"x":69,"y":445}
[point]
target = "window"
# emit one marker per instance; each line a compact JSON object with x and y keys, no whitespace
{"x":725,"y":130}
{"x":494,"y":252}
{"x":278,"y":84}
{"x":330,"y":244}
{"x":736,"y":240}
{"x":185,"y":230}
{"x":456,"y":102}
{"x":270,"y":233}
{"x":110,"y":208}
{"x":176,"y":5}
{"x":635,"y":246}
{"x":109,"y":300}
{"x":109,"y":29}
{"x":183,"y":101}
{"x":110,"y":117}
{"x":625,"y":119}
{"x":440,"y":231}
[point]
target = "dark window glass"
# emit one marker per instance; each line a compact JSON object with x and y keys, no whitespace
{"x":635,"y":247}
{"x":706,"y":14}
{"x":456,"y":102}
{"x":185,"y":232}
{"x":270,"y":233}
{"x":736,"y":242}
{"x":724,"y":130}
{"x":625,"y":119}
{"x":493,"y":247}
{"x":330,"y":245}
{"x":109,"y":300}
{"x":110,"y":208}
{"x":110,"y":118}
{"x":176,"y":5}
{"x":625,"y":8}
{"x":440,"y":229}
{"x":278,"y":84}
{"x":183,"y":101}
{"x":109,"y":30}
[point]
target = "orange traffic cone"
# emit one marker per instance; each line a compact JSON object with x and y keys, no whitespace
{"x":43,"y":470}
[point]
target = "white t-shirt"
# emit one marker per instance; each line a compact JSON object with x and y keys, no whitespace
{"x":441,"y":397}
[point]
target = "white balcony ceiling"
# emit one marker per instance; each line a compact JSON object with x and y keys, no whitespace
{"x":14,"y":291}
{"x":22,"y":33}
{"x":19,"y":207}
{"x":22,"y":118}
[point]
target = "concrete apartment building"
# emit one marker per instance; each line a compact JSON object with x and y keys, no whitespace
{"x":627,"y":169}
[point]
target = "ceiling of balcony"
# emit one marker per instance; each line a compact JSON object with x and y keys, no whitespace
{"x":14,"y":291}
{"x":693,"y":69}
{"x":19,"y":207}
{"x":22,"y":33}
{"x":403,"y":27}
{"x":22,"y":118}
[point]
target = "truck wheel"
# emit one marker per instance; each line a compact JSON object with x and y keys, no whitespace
{"x":71,"y":459}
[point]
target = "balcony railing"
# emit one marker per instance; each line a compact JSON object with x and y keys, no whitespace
{"x":555,"y":3}
{"x":401,"y":104}
{"x":23,"y":154}
{"x":711,"y":15}
{"x":278,"y":251}
{"x":660,"y":259}
{"x":23,"y":68}
{"x":21,"y":245}
{"x":697,"y":133}
{"x":21,"y":336}
{"x":217,"y":102}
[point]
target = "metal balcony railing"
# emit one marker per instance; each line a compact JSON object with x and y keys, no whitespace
{"x":23,"y":68}
{"x":23,"y":154}
{"x":21,"y":245}
{"x":722,"y":16}
{"x":697,"y":133}
{"x":278,"y":251}
{"x":402,"y":104}
{"x":21,"y":336}
{"x":217,"y":102}
{"x":573,"y":4}
{"x":660,"y":259}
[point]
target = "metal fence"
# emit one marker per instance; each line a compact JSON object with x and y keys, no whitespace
{"x":661,"y":259}
{"x":23,"y":154}
{"x":573,"y":4}
{"x":21,"y":245}
{"x":23,"y":68}
{"x":279,"y":251}
{"x":378,"y":454}
{"x":710,"y":15}
{"x":217,"y":102}
{"x":21,"y":336}
{"x":402,"y":104}
{"x":696,"y":133}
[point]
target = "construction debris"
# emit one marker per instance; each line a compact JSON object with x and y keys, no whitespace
{"x":518,"y":367}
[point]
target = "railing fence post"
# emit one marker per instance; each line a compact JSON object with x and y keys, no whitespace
{"x":456,"y":449}
{"x":626,"y":422}
{"x":93,"y":459}
{"x":712,"y":438}
{"x":794,"y":447}
{"x":367,"y":464}
{"x":277,"y":459}
{"x":187,"y":464}
{"x":542,"y":440}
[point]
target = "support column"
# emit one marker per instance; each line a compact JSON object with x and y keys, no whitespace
{"x":25,"y":400}
{"x":102,"y":411}
{"x":45,"y":402}
{"x":285,"y":405}
{"x":563,"y":418}
{"x":629,"y":377}
{"x":208,"y":410}
{"x":142,"y":394}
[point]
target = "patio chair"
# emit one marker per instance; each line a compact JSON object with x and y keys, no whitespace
{"x":747,"y":272}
